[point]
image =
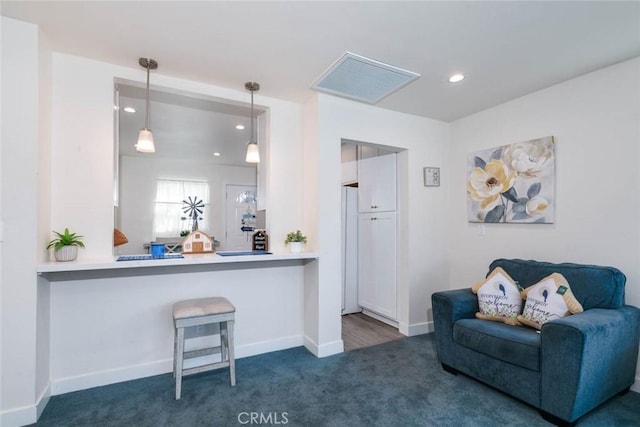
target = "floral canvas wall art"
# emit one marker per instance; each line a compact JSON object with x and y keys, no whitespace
{"x":513,"y":183}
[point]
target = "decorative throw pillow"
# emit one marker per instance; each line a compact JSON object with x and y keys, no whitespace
{"x":550,"y":298}
{"x":498,"y":298}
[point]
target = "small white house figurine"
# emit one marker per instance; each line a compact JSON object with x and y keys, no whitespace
{"x":197,"y":242}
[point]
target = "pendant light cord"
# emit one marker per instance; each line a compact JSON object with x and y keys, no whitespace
{"x":252,"y":136}
{"x":146,"y":116}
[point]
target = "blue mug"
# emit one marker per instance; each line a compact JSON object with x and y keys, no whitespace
{"x":157,"y":250}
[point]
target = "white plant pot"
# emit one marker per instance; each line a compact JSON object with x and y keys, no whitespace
{"x":295,"y":246}
{"x":66,"y":253}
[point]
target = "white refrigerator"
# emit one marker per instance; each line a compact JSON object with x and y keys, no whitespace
{"x":350,"y":250}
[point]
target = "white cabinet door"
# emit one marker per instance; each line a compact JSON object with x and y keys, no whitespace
{"x":366,"y":262}
{"x":377,"y":263}
{"x":377,"y":184}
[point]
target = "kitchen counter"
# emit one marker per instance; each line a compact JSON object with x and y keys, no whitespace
{"x":109,"y":267}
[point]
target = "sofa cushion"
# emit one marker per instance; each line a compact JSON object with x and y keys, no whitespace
{"x":593,"y":286}
{"x":517,"y":345}
{"x":498,"y":298}
{"x":551,"y":298}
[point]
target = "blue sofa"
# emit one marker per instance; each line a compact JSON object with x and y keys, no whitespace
{"x":573,"y":365}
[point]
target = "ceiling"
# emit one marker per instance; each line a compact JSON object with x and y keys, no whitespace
{"x":505,"y":49}
{"x":185,"y":126}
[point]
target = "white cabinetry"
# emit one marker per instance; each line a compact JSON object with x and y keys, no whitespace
{"x":377,"y":263}
{"x":377,"y":184}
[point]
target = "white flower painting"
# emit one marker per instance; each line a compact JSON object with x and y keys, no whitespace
{"x":513,"y":183}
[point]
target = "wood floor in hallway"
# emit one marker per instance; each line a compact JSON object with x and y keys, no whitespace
{"x":359,"y":330}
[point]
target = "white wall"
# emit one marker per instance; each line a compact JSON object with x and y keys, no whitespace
{"x":20,"y":86}
{"x":43,"y":204}
{"x":596,"y":122}
{"x":423,"y":260}
{"x":106,"y":330}
{"x":138,"y":195}
{"x":83,"y":136}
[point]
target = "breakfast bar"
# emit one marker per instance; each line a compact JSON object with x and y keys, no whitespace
{"x":79,"y":269}
{"x":110,"y":321}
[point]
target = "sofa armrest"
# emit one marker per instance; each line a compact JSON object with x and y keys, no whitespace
{"x":587,"y":358}
{"x":448,"y":307}
{"x":463,"y":303}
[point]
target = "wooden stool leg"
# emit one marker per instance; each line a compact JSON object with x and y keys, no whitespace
{"x":232,"y":357}
{"x":179,"y":361}
{"x":175,"y":350}
{"x":224,"y":347}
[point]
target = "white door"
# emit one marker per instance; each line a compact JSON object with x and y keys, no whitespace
{"x":240,"y":221}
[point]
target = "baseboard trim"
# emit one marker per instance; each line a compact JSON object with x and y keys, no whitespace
{"x":415,"y":329}
{"x":159,"y":367}
{"x":43,"y":400}
{"x":111,"y":376}
{"x":381,"y":318}
{"x":19,"y":416}
{"x":324,"y":350}
{"x":27,"y":414}
{"x":262,"y":347}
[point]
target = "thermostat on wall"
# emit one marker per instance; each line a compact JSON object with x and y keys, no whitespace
{"x":431,"y":177}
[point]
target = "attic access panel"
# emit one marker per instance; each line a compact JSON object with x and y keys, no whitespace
{"x":363,"y":79}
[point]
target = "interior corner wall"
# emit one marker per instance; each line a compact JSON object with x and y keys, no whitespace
{"x":595,"y":120}
{"x":44,"y":220}
{"x":310,"y":227}
{"x":422,"y":260}
{"x":18,"y":195}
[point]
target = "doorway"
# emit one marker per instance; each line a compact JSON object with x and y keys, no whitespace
{"x":369,"y":244}
{"x":360,"y":330}
{"x":240,"y":217}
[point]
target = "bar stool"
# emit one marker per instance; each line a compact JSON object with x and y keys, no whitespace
{"x":197,"y":312}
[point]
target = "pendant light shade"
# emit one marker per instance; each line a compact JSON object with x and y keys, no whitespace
{"x":253,"y":155}
{"x":145,"y":142}
{"x":145,"y":137}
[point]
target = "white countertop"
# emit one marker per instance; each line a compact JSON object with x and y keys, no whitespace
{"x":188,"y":260}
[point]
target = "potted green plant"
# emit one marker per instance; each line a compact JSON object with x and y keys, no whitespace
{"x":295,"y":240}
{"x":65,"y":245}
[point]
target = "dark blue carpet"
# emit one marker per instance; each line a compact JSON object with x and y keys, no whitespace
{"x":394,"y":384}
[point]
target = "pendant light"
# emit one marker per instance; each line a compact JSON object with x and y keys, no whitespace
{"x":253,"y":156}
{"x":145,"y":138}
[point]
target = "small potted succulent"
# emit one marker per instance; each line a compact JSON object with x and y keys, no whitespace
{"x":295,"y":240}
{"x":66,"y":245}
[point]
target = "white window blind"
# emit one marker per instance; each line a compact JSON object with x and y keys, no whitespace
{"x":168,"y":214}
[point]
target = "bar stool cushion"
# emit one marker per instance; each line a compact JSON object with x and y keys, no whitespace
{"x":202,"y":307}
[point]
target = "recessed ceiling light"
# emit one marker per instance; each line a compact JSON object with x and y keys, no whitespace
{"x":129,"y":109}
{"x":216,"y":154}
{"x":240,"y":127}
{"x":456,"y":78}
